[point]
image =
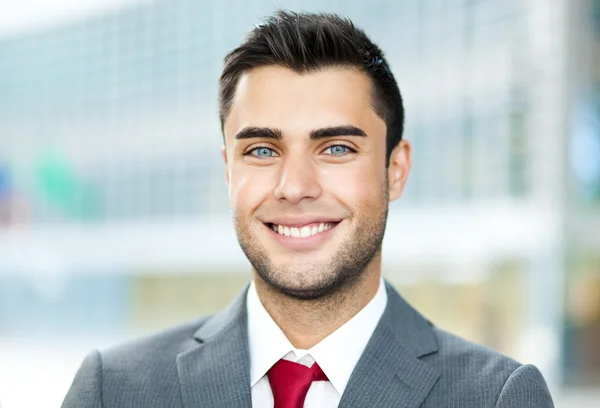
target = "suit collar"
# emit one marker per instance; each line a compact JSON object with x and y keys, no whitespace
{"x":233,"y":315}
{"x":338,"y":353}
{"x":408,"y":326}
{"x":390,"y":372}
{"x":216,"y":371}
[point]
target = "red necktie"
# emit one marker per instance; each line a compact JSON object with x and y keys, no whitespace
{"x":290,"y":382}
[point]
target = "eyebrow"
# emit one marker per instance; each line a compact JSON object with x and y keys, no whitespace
{"x":346,"y":130}
{"x":258,"y":132}
{"x":315,"y":134}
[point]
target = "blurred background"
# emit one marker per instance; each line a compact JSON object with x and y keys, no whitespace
{"x":114,"y":213}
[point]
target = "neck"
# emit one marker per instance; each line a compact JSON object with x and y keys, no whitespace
{"x":306,"y":322}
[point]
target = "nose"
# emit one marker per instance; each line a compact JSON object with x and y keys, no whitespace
{"x":298,"y":180}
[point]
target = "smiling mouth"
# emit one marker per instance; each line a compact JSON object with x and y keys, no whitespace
{"x":304,"y":231}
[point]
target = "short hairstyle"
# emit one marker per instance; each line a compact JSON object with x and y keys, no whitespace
{"x":308,"y":42}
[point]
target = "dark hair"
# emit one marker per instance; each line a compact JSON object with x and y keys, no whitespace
{"x":308,"y":42}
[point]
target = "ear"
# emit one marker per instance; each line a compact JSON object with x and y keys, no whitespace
{"x":224,"y":155}
{"x":398,"y":169}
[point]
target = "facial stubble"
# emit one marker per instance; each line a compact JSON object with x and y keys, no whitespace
{"x":341,"y":271}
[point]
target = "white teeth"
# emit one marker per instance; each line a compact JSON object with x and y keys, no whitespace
{"x":303,"y":232}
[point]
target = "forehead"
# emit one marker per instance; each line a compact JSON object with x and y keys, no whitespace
{"x":277,"y":97}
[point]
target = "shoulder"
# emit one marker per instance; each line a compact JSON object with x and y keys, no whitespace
{"x":145,"y":369}
{"x":471,"y":358}
{"x":158,"y":348}
{"x":475,"y":375}
{"x":138,"y":373}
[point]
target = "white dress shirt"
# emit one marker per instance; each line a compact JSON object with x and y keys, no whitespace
{"x":337,"y":354}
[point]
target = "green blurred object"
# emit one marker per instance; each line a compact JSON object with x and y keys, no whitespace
{"x":58,"y":183}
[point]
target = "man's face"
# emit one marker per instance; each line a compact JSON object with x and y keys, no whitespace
{"x":307,"y":179}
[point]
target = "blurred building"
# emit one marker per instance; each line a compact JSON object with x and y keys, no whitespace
{"x":110,"y":157}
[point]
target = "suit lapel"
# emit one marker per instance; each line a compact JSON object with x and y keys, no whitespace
{"x":389,"y":372}
{"x":215,"y":372}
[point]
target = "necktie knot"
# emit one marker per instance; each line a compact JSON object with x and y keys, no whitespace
{"x":290,"y":382}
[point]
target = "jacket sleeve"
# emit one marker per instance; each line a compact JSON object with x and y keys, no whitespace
{"x":86,"y":390}
{"x":525,"y":388}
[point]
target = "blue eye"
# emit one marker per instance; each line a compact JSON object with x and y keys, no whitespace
{"x":338,"y":150}
{"x":263,"y":152}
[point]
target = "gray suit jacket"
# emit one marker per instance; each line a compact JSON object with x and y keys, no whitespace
{"x":407,"y":363}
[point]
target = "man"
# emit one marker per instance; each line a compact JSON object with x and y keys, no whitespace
{"x":312,"y":119}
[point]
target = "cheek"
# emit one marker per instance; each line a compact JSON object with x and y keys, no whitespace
{"x":248,"y":189}
{"x":357,"y":187}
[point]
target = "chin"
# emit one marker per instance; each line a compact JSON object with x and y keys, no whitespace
{"x":299,"y":284}
{"x":305,"y":292}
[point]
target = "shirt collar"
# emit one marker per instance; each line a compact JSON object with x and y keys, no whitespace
{"x":337,"y":354}
{"x":267,"y":342}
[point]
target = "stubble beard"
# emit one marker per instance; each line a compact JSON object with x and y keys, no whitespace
{"x":343,"y":269}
